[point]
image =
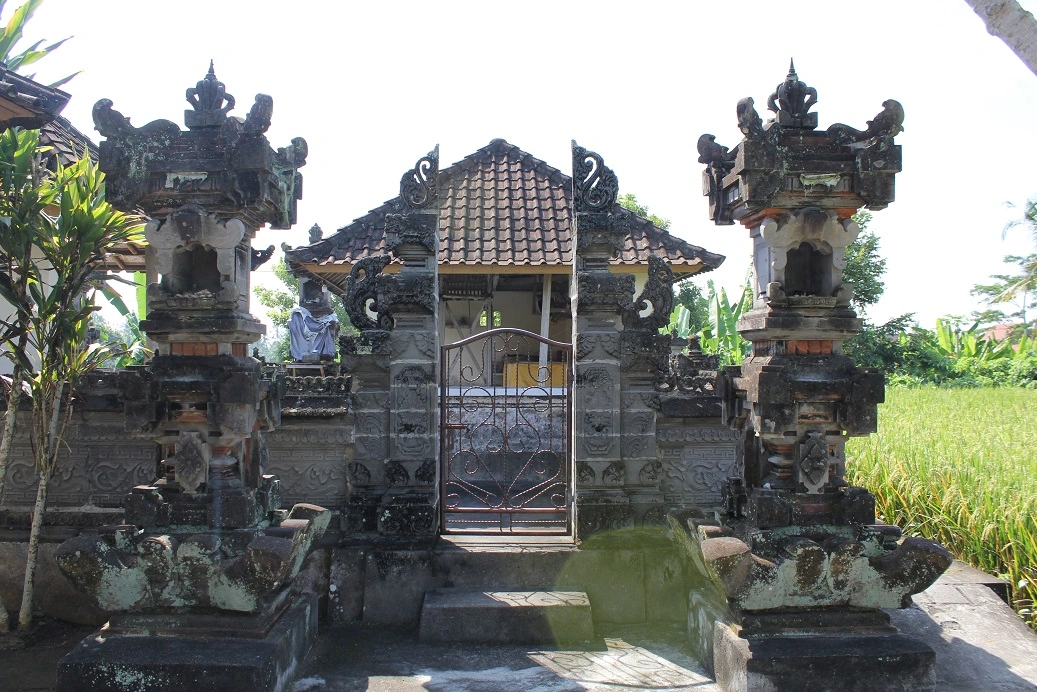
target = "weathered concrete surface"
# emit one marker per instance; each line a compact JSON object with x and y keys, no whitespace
{"x":54,"y":594}
{"x":980,"y":644}
{"x":820,"y":663}
{"x":103,"y":663}
{"x":632,"y":576}
{"x":506,"y":617}
{"x":384,"y":659}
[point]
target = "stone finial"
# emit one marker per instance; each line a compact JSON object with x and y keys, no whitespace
{"x":791,"y":101}
{"x":316,"y":234}
{"x":595,"y":185}
{"x":210,"y":101}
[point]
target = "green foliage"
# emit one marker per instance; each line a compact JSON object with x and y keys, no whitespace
{"x":720,"y":336}
{"x":949,"y":356}
{"x":56,"y":260}
{"x":11,"y":36}
{"x":969,"y":486}
{"x":629,"y":202}
{"x":1018,"y":290}
{"x":696,"y":305}
{"x":864,"y":267}
{"x":129,"y":337}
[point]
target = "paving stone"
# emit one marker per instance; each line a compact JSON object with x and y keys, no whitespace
{"x":455,"y":615}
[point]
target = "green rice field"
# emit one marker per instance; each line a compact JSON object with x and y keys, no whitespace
{"x":960,"y":466}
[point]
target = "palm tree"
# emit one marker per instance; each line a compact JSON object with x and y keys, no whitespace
{"x":1027,"y":281}
{"x":1007,"y":20}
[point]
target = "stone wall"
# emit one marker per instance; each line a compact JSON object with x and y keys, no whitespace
{"x":102,"y":462}
{"x":316,"y":458}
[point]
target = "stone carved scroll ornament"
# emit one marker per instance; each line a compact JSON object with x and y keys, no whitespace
{"x":362,"y":288}
{"x":595,"y":186}
{"x":883,"y":127}
{"x":718,"y":163}
{"x":656,"y":296}
{"x":418,"y":186}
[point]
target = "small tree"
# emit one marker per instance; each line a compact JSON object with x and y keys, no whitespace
{"x":61,"y":264}
{"x":629,"y":202}
{"x":21,"y":202}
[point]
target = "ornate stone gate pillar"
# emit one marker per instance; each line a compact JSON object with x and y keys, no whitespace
{"x":412,"y":299}
{"x":393,"y":484}
{"x":619,"y":358}
{"x":598,"y":297}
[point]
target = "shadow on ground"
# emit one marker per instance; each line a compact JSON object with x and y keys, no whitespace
{"x":389,"y":658}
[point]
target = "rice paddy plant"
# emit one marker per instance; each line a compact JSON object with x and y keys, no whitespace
{"x":959,"y":466}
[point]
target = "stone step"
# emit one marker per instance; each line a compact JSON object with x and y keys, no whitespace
{"x":506,"y":617}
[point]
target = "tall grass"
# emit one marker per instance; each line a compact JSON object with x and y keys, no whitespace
{"x":959,"y":466}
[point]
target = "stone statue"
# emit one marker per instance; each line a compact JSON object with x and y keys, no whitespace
{"x":313,"y":338}
{"x":313,"y":326}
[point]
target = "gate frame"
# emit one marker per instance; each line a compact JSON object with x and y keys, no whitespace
{"x":445,"y":429}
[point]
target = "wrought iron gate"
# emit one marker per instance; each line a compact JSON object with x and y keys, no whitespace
{"x":505,"y":416}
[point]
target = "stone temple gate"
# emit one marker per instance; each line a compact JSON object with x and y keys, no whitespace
{"x":684,"y":493}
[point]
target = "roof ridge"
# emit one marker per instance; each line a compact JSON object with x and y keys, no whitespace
{"x":502,"y":146}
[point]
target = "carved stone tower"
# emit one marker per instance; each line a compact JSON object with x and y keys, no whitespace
{"x":799,"y":551}
{"x":206,"y":536}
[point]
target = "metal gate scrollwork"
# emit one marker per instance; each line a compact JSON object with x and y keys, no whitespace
{"x":505,"y":416}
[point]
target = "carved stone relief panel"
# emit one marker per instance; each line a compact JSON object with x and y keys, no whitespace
{"x":88,"y":473}
{"x":412,"y":346}
{"x":315,"y":474}
{"x":693,"y":474}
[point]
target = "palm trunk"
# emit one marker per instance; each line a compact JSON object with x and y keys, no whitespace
{"x":7,"y":442}
{"x":1007,"y":20}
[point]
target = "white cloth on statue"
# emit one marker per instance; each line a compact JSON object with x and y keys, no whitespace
{"x":311,"y":335}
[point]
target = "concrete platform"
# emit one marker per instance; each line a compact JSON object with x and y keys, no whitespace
{"x":107,"y":662}
{"x":506,"y":617}
{"x":980,"y":645}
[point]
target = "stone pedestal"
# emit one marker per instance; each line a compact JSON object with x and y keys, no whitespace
{"x":790,"y":576}
{"x":200,"y":653}
{"x":831,"y":659}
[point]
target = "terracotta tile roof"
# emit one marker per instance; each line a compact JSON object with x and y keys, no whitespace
{"x":66,"y":141}
{"x":503,"y":206}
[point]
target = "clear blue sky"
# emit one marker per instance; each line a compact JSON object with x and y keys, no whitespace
{"x":372,"y":86}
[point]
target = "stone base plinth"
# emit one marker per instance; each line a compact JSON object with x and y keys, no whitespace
{"x":850,"y":662}
{"x":506,"y":617}
{"x":106,"y":662}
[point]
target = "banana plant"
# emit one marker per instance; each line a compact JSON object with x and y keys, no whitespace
{"x":680,"y":322}
{"x":958,"y":343}
{"x":721,"y":335}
